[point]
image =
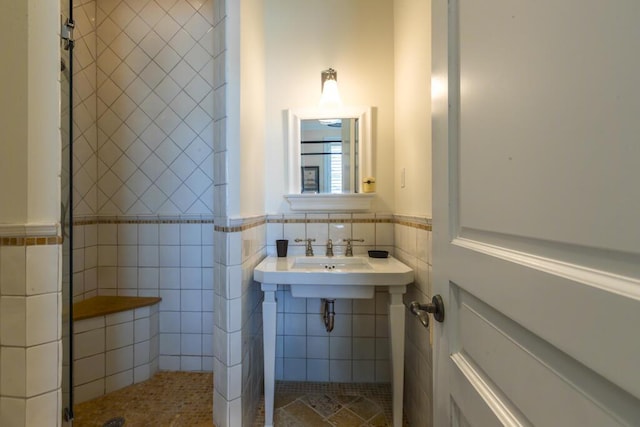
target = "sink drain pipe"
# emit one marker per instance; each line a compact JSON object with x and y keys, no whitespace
{"x":329,"y":313}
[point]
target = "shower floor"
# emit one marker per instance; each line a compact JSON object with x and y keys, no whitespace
{"x":181,"y":399}
{"x":173,"y":399}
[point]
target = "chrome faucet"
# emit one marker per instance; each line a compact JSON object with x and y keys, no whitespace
{"x":308,"y":249}
{"x":329,"y":248}
{"x":349,"y":250}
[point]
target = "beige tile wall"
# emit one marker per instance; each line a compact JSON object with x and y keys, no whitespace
{"x":30,"y":343}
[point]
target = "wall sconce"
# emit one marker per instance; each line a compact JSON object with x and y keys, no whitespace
{"x":330,"y":97}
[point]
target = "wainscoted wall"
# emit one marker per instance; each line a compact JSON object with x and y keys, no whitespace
{"x":413,"y":247}
{"x":357,"y":350}
{"x":159,"y":257}
{"x":30,"y":350}
{"x":238,"y":347}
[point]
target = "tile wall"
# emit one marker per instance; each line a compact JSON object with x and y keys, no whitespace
{"x":413,"y":247}
{"x":154,"y":107}
{"x":85,"y":137}
{"x":143,"y":150}
{"x":30,"y":343}
{"x":357,"y":350}
{"x":238,"y":355}
{"x":171,"y":259}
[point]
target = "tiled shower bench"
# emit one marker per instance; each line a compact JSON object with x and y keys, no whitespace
{"x":115,"y":344}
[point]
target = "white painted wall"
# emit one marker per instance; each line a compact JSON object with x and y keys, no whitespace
{"x":13,"y":116}
{"x":412,"y":36}
{"x":252,"y":103}
{"x":244,"y":99}
{"x":29,"y":113}
{"x":302,"y":38}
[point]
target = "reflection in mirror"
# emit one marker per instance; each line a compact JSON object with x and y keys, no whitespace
{"x":329,"y":155}
{"x":345,"y":134}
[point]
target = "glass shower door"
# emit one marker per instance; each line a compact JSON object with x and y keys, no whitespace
{"x":66,"y":220}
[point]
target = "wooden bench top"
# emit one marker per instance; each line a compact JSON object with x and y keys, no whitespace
{"x":103,"y":305}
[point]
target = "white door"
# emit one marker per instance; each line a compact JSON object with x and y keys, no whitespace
{"x":537,"y":212}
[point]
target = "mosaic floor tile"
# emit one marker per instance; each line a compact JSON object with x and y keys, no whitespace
{"x":303,"y":404}
{"x":346,"y":418}
{"x":185,"y":399}
{"x":172,"y":399}
{"x":365,"y":408}
{"x":322,"y":404}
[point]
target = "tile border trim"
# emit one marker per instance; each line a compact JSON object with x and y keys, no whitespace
{"x":239,"y":225}
{"x":30,"y":234}
{"x":251,"y":223}
{"x":31,"y":241}
{"x":421,"y":223}
{"x":48,"y":234}
{"x":92,"y":220}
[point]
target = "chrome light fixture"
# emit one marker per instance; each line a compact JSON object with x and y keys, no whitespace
{"x":330,"y":97}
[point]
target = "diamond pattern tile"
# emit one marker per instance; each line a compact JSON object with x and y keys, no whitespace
{"x":143,"y":100}
{"x":168,"y":120}
{"x":124,"y":167}
{"x":122,"y":45}
{"x":84,"y":105}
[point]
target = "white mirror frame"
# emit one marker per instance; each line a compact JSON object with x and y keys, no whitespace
{"x":327,"y":201}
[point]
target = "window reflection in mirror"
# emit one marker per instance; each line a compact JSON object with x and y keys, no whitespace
{"x":329,"y":155}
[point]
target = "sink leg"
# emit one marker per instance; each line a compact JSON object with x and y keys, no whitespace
{"x":396,"y":333}
{"x":269,"y":309}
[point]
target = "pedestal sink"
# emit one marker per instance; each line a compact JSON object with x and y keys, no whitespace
{"x":333,"y":278}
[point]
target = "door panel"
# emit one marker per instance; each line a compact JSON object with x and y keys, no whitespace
{"x":554,"y":76}
{"x":536,"y":240}
{"x":523,"y":367}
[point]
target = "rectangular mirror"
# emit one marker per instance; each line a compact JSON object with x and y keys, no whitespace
{"x":329,"y":152}
{"x":329,"y":155}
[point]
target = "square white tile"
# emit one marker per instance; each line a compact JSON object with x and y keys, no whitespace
{"x":119,"y":335}
{"x":40,"y":310}
{"x":119,"y":360}
{"x":14,"y":371}
{"x":42,"y":368}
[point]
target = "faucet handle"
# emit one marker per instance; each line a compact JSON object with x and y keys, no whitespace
{"x":329,"y":248}
{"x":349,"y":250}
{"x":308,"y":248}
{"x":353,"y":240}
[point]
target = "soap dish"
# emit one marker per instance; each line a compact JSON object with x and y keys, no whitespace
{"x":378,"y":254}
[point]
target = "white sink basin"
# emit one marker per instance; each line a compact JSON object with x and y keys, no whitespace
{"x":331,"y":264}
{"x":333,"y":277}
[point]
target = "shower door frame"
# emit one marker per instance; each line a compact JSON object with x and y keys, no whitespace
{"x":66,"y":52}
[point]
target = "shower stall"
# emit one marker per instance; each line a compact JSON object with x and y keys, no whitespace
{"x":137,"y":190}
